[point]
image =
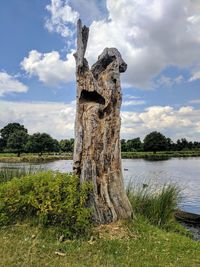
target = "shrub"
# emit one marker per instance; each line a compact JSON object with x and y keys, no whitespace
{"x":157,"y":206}
{"x":50,"y":198}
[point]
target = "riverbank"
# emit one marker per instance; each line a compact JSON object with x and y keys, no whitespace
{"x":40,"y":236}
{"x":34,"y":158}
{"x":136,"y":244}
{"x":160,"y":155}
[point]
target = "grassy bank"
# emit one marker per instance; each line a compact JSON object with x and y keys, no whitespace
{"x":155,"y":205}
{"x":40,"y":212}
{"x":160,"y":155}
{"x":34,"y":158}
{"x":140,"y":244}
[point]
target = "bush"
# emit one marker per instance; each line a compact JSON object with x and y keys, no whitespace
{"x":157,"y":206}
{"x":50,"y":198}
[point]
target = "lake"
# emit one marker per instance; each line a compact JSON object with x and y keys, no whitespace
{"x":184,"y":172}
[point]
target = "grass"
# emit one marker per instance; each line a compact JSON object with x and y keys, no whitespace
{"x":145,"y":241}
{"x":145,"y":245}
{"x":156,"y":205}
{"x":34,"y":158}
{"x":162,"y":155}
{"x":7,"y":173}
{"x":30,"y":157}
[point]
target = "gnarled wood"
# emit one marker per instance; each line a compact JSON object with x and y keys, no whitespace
{"x":97,"y":152}
{"x":82,"y":38}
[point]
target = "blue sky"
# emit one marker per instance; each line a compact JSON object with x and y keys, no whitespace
{"x":160,"y":42}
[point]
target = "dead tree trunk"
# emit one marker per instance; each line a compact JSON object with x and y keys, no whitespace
{"x":97,"y":151}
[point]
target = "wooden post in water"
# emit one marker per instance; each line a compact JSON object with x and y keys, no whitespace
{"x":97,"y":151}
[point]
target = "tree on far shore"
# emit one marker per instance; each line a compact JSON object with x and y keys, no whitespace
{"x":155,"y":141}
{"x":42,"y":142}
{"x":2,"y":144}
{"x":17,"y":141}
{"x":67,"y":145}
{"x":9,"y":129}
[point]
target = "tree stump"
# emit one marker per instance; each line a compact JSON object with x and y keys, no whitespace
{"x":97,"y":150}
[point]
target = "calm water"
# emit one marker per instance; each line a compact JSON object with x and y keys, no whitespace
{"x":180,"y":171}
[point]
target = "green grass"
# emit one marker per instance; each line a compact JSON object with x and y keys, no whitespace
{"x":139,"y":242}
{"x":160,"y":155}
{"x":34,"y":158}
{"x":7,"y":173}
{"x":156,"y":205}
{"x":146,"y":246}
{"x":30,"y":157}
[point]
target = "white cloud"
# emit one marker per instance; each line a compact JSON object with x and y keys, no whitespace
{"x":168,"y":81}
{"x":186,"y":110}
{"x":150,"y":35}
{"x":57,"y":119}
{"x":133,"y":102}
{"x":62,"y":18}
{"x":198,"y":127}
{"x":92,"y":10}
{"x":174,"y":123}
{"x":130,"y":100}
{"x":131,"y":96}
{"x":195,"y":76}
{"x":9,"y":84}
{"x":49,"y":67}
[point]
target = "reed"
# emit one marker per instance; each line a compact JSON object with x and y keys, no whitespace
{"x":156,"y":205}
{"x":7,"y":173}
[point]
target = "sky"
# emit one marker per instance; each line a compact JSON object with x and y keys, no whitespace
{"x":158,"y":39}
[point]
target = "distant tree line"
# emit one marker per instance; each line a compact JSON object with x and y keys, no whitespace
{"x":156,"y":141}
{"x":14,"y":137}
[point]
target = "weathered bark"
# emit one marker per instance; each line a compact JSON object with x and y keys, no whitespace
{"x":97,"y":151}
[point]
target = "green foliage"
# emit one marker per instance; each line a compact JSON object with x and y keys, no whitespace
{"x":155,"y":141}
{"x":2,"y":144}
{"x":42,"y":142}
{"x":183,"y":144}
{"x":50,"y":198}
{"x":123,"y":145}
{"x":161,"y":155}
{"x":157,"y":206}
{"x":17,"y":141}
{"x":131,"y":145}
{"x":33,"y":158}
{"x":10,"y":129}
{"x":67,"y":145}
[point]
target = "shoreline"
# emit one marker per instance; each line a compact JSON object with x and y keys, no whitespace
{"x":34,"y":158}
